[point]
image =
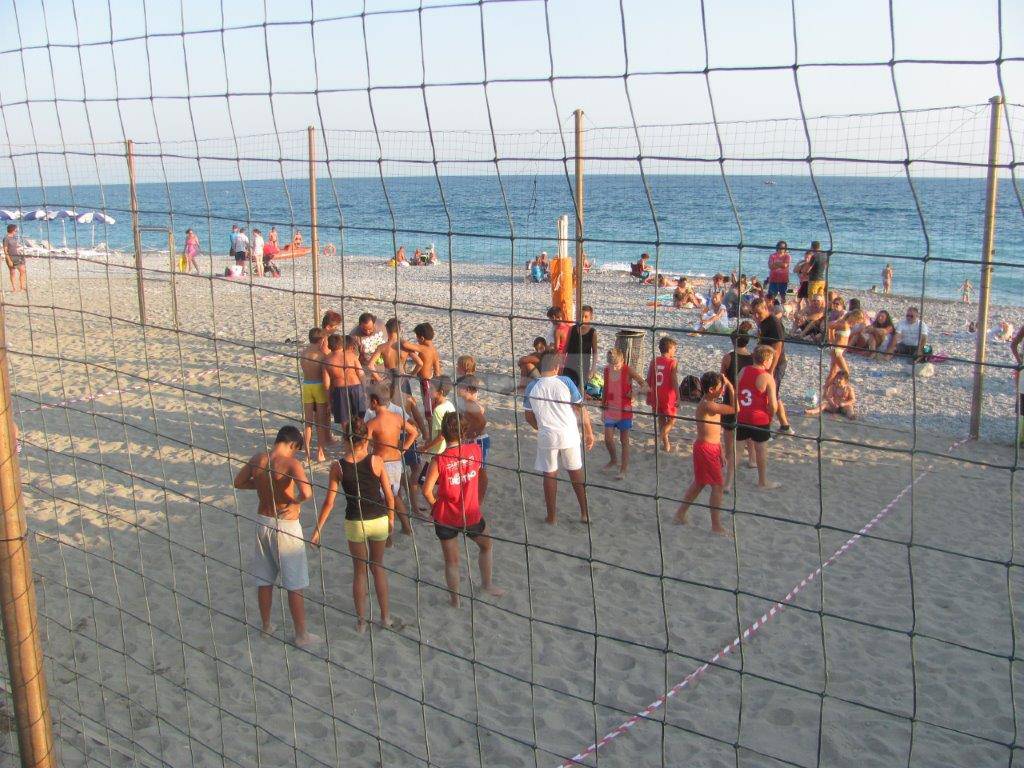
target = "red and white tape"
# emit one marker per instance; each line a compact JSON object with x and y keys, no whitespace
{"x":759,"y":623}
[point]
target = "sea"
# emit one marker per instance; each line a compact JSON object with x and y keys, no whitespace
{"x":930,"y":232}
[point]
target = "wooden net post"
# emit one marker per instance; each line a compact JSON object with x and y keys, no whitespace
{"x":129,"y":151}
{"x":314,"y":239}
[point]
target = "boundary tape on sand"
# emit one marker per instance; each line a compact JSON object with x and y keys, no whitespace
{"x":747,"y":633}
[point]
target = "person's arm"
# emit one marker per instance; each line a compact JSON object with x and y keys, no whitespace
{"x":385,"y":487}
{"x":301,"y":487}
{"x":1015,"y":346}
{"x":411,"y":434}
{"x":430,"y":483}
{"x":673,"y":376}
{"x":773,"y":401}
{"x":328,"y":503}
{"x":531,"y":417}
{"x":724,"y":409}
{"x":777,"y":349}
{"x":635,"y":377}
{"x":588,"y":430}
{"x":244,"y":480}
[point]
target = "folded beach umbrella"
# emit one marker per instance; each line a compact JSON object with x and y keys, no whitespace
{"x":40,"y":214}
{"x":6,"y":215}
{"x":86,"y":218}
{"x":64,"y":215}
{"x":102,"y":218}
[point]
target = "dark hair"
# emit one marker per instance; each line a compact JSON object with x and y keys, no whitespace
{"x":709,"y":381}
{"x":780,"y":245}
{"x":540,"y":340}
{"x":11,"y":228}
{"x":334,"y":341}
{"x":815,"y":245}
{"x":644,"y":256}
{"x":367,"y":317}
{"x":552,"y":311}
{"x":586,"y":308}
{"x":316,"y":334}
{"x":289,"y":435}
{"x":443,"y":385}
{"x":853,"y":304}
{"x":453,"y":428}
{"x":741,"y":336}
{"x":757,"y":303}
{"x":392,"y":325}
{"x":424,"y":331}
{"x":665,"y":343}
{"x":330,"y":318}
{"x":888,"y":319}
{"x":376,"y":396}
{"x":354,"y":430}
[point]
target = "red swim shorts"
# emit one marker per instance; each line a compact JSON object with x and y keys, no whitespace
{"x":707,"y":463}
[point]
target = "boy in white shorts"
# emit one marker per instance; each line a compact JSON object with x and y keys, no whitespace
{"x":552,"y":404}
{"x":280,"y":549}
{"x":391,"y":434}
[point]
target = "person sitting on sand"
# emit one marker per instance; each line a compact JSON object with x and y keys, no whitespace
{"x":369,"y":518}
{"x":315,"y":409}
{"x":617,"y":409}
{"x":451,"y":488}
{"x":810,"y":322}
{"x":757,"y":407}
{"x":838,"y":397}
{"x":878,"y":333}
{"x":542,"y":262}
{"x":707,"y":448}
{"x":1004,"y":332}
{"x":296,"y":240}
{"x":714,"y":319}
{"x":553,"y":404}
{"x":910,"y":339}
{"x":281,"y":486}
{"x":642,"y":269}
{"x":535,"y":272}
{"x":528,"y":363}
{"x":684,"y":296}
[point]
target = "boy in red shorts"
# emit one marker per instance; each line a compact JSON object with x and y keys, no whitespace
{"x":663,"y":389}
{"x":707,"y":448}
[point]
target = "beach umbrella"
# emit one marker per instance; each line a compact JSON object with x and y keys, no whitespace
{"x":39,"y":215}
{"x":6,"y":215}
{"x":94,"y":218}
{"x":64,"y":216}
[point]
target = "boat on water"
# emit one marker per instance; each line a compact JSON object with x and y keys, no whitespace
{"x":292,"y":251}
{"x":769,"y":183}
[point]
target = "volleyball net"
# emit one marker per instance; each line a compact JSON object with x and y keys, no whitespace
{"x":867,"y":611}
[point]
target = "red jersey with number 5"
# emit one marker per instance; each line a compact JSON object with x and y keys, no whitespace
{"x":753,"y":403}
{"x":661,"y":394}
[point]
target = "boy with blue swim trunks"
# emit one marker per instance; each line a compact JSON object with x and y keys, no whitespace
{"x":617,"y":409}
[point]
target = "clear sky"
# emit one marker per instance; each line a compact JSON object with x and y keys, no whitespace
{"x":319,"y":72}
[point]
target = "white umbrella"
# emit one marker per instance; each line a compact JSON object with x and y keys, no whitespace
{"x":94,"y":218}
{"x":40,"y":215}
{"x":64,"y":216}
{"x":6,"y":215}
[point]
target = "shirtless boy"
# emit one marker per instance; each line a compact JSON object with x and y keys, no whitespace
{"x":391,"y":434}
{"x":707,"y":448}
{"x":281,"y":486}
{"x":344,"y":373}
{"x":429,"y":366}
{"x":474,"y":416}
{"x":314,"y":395}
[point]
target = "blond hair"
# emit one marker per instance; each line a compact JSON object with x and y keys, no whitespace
{"x":762,"y":354}
{"x":466,"y":364}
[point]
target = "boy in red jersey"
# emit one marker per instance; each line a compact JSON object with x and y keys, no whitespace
{"x":456,"y":505}
{"x":663,"y":389}
{"x":707,"y":448}
{"x":617,"y":409}
{"x":755,"y":393}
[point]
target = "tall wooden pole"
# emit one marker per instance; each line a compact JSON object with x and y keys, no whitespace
{"x":129,"y":151}
{"x":579,"y":214}
{"x":988,"y":245}
{"x":314,"y":239}
{"x":18,"y":597}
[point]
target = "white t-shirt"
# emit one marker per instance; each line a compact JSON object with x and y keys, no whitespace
{"x":257,"y":246}
{"x":551,"y":399}
{"x":910,"y":333}
{"x":241,"y":242}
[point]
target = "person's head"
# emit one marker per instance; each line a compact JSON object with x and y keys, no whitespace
{"x":377,"y":399}
{"x":841,"y":377}
{"x":815,"y":245}
{"x":453,"y":428}
{"x":441,"y":387}
{"x":667,"y":346}
{"x":781,"y":246}
{"x":856,"y":317}
{"x":543,"y":255}
{"x":554,"y":314}
{"x":716,"y":299}
{"x":853,"y":305}
{"x":644,"y":257}
{"x":367,"y":322}
{"x":615,"y":357}
{"x":913,"y":314}
{"x":234,"y":227}
{"x":189,"y":233}
{"x":392,"y":326}
{"x":354,"y":431}
{"x":468,"y":385}
{"x":549,"y":362}
{"x":256,"y":231}
{"x":760,"y":308}
{"x":12,"y":228}
{"x":335,"y":342}
{"x":586,"y":313}
{"x":711,"y":385}
{"x":289,"y":437}
{"x":741,"y":336}
{"x":838,"y":303}
{"x":424,"y":332}
{"x":331,"y":320}
{"x":818,"y":302}
{"x":317,"y":335}
{"x":465,"y":364}
{"x":718,"y":279}
{"x":351,"y":342}
{"x":682,"y":281}
{"x":763,"y":355}
{"x":882,"y":319}
{"x":540,"y":344}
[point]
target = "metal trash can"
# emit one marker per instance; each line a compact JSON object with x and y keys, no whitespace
{"x":631,"y":343}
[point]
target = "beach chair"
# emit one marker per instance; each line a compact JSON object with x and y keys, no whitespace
{"x":636,"y":272}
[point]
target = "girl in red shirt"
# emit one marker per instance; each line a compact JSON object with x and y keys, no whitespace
{"x":454,"y":475}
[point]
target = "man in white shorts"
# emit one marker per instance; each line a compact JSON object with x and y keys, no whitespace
{"x":280,"y":549}
{"x":552,"y":404}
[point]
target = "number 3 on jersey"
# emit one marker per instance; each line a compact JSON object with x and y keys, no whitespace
{"x":746,"y":398}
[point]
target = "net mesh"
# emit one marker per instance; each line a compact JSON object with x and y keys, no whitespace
{"x":867,"y":612}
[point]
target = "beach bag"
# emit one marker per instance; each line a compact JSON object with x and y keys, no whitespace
{"x":182,"y":263}
{"x":689,"y":389}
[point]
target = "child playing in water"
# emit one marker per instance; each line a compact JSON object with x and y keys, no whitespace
{"x":839,"y":397}
{"x":663,"y":389}
{"x":707,"y":448}
{"x":617,"y":407}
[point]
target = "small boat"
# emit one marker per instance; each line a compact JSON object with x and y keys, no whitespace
{"x":291,"y":251}
{"x":769,"y":183}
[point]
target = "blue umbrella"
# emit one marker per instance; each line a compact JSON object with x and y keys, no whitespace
{"x":40,"y":215}
{"x":6,"y":215}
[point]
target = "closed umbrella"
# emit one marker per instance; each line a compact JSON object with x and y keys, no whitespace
{"x":6,"y":215}
{"x":64,"y":216}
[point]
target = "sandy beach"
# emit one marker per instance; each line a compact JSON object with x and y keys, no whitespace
{"x":901,"y":652}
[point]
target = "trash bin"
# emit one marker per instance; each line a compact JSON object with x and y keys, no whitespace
{"x":631,"y":343}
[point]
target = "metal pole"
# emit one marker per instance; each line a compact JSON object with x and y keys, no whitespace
{"x":987,"y":248}
{"x":18,"y":597}
{"x":129,"y":150}
{"x":174,"y":277}
{"x":579,"y":214}
{"x":314,"y":239}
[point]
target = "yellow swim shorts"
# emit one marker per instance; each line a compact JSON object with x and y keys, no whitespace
{"x":361,"y":531}
{"x":815,"y":287}
{"x":313,"y":392}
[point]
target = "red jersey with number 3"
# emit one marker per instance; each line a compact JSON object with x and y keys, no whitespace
{"x":458,"y":499}
{"x":661,"y":395}
{"x":753,"y":403}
